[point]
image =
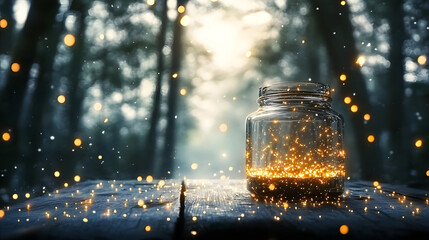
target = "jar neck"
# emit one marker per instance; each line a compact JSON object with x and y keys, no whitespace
{"x":295,"y":94}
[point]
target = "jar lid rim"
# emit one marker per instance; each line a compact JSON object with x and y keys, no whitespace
{"x":293,"y":88}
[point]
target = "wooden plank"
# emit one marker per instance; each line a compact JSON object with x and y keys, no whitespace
{"x":216,"y":208}
{"x":97,"y":209}
{"x":213,"y":209}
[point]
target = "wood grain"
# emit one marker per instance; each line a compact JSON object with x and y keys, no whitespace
{"x":213,"y":209}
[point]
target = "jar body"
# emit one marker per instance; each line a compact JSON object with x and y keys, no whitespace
{"x":294,"y":145}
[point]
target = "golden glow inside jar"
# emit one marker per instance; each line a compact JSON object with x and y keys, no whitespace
{"x":294,"y":144}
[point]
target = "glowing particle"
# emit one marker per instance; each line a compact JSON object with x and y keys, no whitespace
{"x":3,"y":23}
{"x":147,"y":228}
{"x":5,"y":136}
{"x":150,"y":2}
{"x":57,"y":173}
{"x":422,"y":60}
{"x":140,"y":202}
{"x":15,"y":196}
{"x":139,"y":178}
{"x":303,"y":41}
{"x":161,"y":183}
{"x":343,"y":3}
{"x":106,"y":120}
{"x":223,"y":127}
{"x":285,"y":205}
{"x":27,"y":195}
{"x":168,"y":219}
{"x":15,"y":67}
{"x":375,"y":183}
{"x":427,"y":173}
{"x":343,"y":77}
{"x":360,"y":60}
{"x":69,"y":40}
{"x":354,"y":108}
{"x":183,"y":92}
{"x":367,"y":117}
{"x":371,"y":138}
{"x":101,"y":36}
{"x":344,"y":229}
{"x":181,"y":9}
{"x":98,"y":106}
{"x":1,"y":213}
{"x":100,"y":157}
{"x":347,"y":100}
{"x":77,"y":142}
{"x":194,"y":166}
{"x":418,"y":143}
{"x":272,"y":187}
{"x":249,"y":54}
{"x":85,"y":220}
{"x":77,"y":178}
{"x":193,"y":233}
{"x":185,"y":20}
{"x":175,"y":75}
{"x":66,"y":184}
{"x":61,"y":99}
{"x":149,"y":178}
{"x":194,"y":218}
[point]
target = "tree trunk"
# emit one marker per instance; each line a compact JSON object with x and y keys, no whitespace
{"x":169,"y":154}
{"x":337,"y":32}
{"x":40,"y":103}
{"x":400,"y":155}
{"x":6,"y":36}
{"x":40,"y":19}
{"x":146,"y":165}
{"x":76,"y":92}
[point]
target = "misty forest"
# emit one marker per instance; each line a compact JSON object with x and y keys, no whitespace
{"x":121,"y":89}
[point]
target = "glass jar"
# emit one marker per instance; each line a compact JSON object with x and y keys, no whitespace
{"x":294,"y":144}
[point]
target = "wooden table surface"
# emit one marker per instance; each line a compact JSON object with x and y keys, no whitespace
{"x":213,"y":209}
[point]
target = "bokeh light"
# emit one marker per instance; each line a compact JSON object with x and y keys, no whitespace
{"x":344,"y":229}
{"x":61,"y":99}
{"x":149,"y":178}
{"x":367,"y":117}
{"x":15,"y":67}
{"x":3,"y":23}
{"x":5,"y":136}
{"x":98,"y":106}
{"x":69,"y":40}
{"x":371,"y":138}
{"x":223,"y":127}
{"x":360,"y":60}
{"x":150,"y":2}
{"x":77,"y":142}
{"x":418,"y":143}
{"x":354,"y":108}
{"x":421,"y":60}
{"x":181,"y":9}
{"x":77,"y":178}
{"x":343,"y":77}
{"x":347,"y":100}
{"x":185,"y":20}
{"x":57,"y":174}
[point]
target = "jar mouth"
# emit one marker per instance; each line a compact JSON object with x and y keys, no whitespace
{"x":295,"y":91}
